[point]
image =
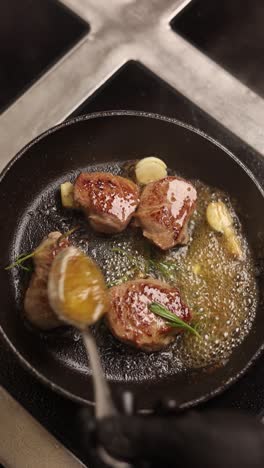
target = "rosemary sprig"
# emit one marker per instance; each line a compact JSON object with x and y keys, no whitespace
{"x":123,"y":252}
{"x":24,"y":257}
{"x":121,"y":280}
{"x":165,"y":268}
{"x":21,"y":259}
{"x":171,"y":318}
{"x":163,"y":265}
{"x":67,"y":234}
{"x":169,"y":265}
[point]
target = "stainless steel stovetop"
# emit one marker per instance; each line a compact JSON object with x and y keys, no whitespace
{"x":120,"y":31}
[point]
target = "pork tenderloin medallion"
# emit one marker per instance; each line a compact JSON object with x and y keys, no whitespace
{"x":131,"y":321}
{"x":36,"y":303}
{"x":108,"y":201}
{"x":164,"y":211}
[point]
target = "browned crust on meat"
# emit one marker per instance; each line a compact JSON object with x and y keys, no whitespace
{"x":130,"y":319}
{"x":165,"y":209}
{"x":36,"y":303}
{"x":109,"y":201}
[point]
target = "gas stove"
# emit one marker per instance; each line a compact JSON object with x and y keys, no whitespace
{"x":186,"y":59}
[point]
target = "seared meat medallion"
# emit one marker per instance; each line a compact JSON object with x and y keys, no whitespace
{"x":109,"y":201}
{"x":165,"y":209}
{"x":36,"y":304}
{"x":130,"y":319}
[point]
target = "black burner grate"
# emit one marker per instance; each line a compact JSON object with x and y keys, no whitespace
{"x":231,"y":33}
{"x":33,"y":36}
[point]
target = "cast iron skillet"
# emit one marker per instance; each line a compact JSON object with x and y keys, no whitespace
{"x":28,"y":188}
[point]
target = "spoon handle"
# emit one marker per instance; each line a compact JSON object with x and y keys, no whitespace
{"x":104,"y":405}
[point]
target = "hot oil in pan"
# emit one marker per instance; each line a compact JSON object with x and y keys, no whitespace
{"x":220,"y":291}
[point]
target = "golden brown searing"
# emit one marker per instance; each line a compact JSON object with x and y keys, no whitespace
{"x":36,"y":304}
{"x":108,"y":201}
{"x":130,"y":319}
{"x":165,"y":209}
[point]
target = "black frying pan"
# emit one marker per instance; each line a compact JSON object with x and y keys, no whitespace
{"x":28,"y":188}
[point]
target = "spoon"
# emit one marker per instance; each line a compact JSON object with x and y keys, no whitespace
{"x":78,"y":296}
{"x":104,"y":406}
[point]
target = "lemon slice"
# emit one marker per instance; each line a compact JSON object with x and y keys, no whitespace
{"x":76,"y":288}
{"x":150,"y":169}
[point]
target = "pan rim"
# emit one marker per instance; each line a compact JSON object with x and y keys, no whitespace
{"x":155,"y":116}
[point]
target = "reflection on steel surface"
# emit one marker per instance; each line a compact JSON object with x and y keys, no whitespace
{"x":122,"y":30}
{"x":24,"y":443}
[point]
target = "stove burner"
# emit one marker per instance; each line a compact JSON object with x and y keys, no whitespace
{"x":33,"y":36}
{"x":122,"y":31}
{"x":230,"y":34}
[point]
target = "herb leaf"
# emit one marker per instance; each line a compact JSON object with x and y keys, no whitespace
{"x":123,"y":252}
{"x":119,"y":281}
{"x":67,"y":234}
{"x":163,"y":268}
{"x":171,"y":318}
{"x":23,"y":257}
{"x":20,"y":260}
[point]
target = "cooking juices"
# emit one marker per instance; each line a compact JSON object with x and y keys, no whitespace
{"x":219,"y":288}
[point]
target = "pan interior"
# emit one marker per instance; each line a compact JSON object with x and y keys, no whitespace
{"x":36,"y":210}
